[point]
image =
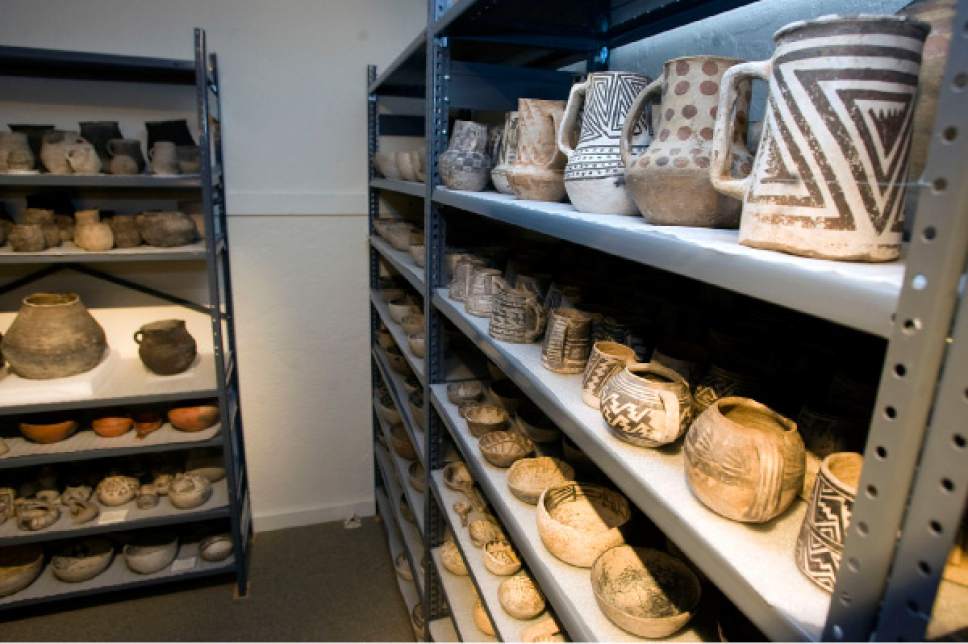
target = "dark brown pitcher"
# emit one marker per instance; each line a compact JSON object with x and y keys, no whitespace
{"x":166,"y":347}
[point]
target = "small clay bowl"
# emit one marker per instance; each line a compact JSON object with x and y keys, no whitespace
{"x":112,"y":426}
{"x":457,"y":477}
{"x":503,"y":448}
{"x":418,"y":344}
{"x":48,"y":432}
{"x":520,"y":597}
{"x":468,"y":391}
{"x":401,"y":443}
{"x":529,"y":477}
{"x":399,"y":308}
{"x":485,"y":418}
{"x":506,"y":394}
{"x":579,"y":521}
{"x":413,"y":323}
{"x":193,"y":419}
{"x":500,"y":558}
{"x":146,"y":422}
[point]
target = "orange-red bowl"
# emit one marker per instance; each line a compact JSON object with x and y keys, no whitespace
{"x":112,"y":426}
{"x":48,"y":432}
{"x":193,"y":419}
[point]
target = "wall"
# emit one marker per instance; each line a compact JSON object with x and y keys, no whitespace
{"x":294,"y":95}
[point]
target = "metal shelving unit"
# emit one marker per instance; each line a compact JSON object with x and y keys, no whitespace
{"x":120,"y":380}
{"x":481,"y":55}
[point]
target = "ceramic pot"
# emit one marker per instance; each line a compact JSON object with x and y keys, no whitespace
{"x":126,"y":157}
{"x":516,"y":316}
{"x":485,"y":283}
{"x":166,"y":347}
{"x":579,"y":521}
{"x":744,"y":460}
{"x":412,"y":323}
{"x":481,"y":619}
{"x":400,"y":308}
{"x":529,"y":477}
{"x":216,"y":547}
{"x":466,"y":165}
{"x":538,"y":170}
{"x":19,"y":567}
{"x":146,"y":422}
{"x":463,"y":273}
{"x":386,"y":165}
{"x":94,"y":237}
{"x":112,"y":426}
{"x":457,"y":477}
{"x":53,"y":150}
{"x":720,"y":383}
{"x":65,"y":225}
{"x":189,"y":491}
{"x":82,"y":158}
{"x":167,"y":229}
{"x":468,"y":391}
{"x":645,"y":591}
{"x":507,"y":153}
{"x":595,"y":173}
{"x":162,"y":157}
{"x":37,"y":514}
{"x":520,"y":597}
{"x":87,"y":217}
{"x":567,"y":341}
{"x":669,"y":181}
{"x":53,"y":336}
{"x":483,"y":527}
{"x":500,"y":558}
{"x":99,"y":133}
{"x":485,"y":418}
{"x":81,"y":511}
{"x":27,"y":238}
{"x":451,"y":558}
{"x":503,"y":448}
{"x":405,"y":165}
{"x":151,"y":553}
{"x":193,"y":419}
{"x":646,"y":404}
{"x":117,"y":490}
{"x":418,"y":343}
{"x":46,"y":433}
{"x":35,"y":135}
{"x":605,"y":360}
{"x":15,"y":152}
{"x":125,"y":231}
{"x":829,"y":178}
{"x":188,"y":159}
{"x":820,"y":544}
{"x":82,"y":560}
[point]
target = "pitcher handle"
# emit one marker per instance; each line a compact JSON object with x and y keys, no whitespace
{"x":576,"y":98}
{"x":632,"y":117}
{"x":557,"y":157}
{"x":725,"y":122}
{"x":139,"y":335}
{"x":539,"y":320}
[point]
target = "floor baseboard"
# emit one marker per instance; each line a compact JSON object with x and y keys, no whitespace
{"x":295,"y":517}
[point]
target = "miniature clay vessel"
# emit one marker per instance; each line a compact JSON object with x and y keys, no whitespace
{"x":485,"y":418}
{"x":500,"y":558}
{"x":517,"y":316}
{"x":481,"y":619}
{"x":579,"y":521}
{"x":117,"y":490}
{"x":457,"y":476}
{"x":452,"y":560}
{"x":507,"y":153}
{"x":820,"y":544}
{"x":166,"y":347}
{"x":743,"y":460}
{"x":151,"y":553}
{"x":567,"y":341}
{"x":167,"y":229}
{"x":503,"y":448}
{"x":53,"y":336}
{"x":44,"y":433}
{"x":605,"y":360}
{"x":125,"y":231}
{"x":466,"y":165}
{"x":193,"y":419}
{"x":836,"y":190}
{"x":520,"y":597}
{"x":531,"y":422}
{"x":538,"y":169}
{"x":81,"y":510}
{"x":189,"y":491}
{"x":467,"y":391}
{"x":27,"y":238}
{"x":595,"y":174}
{"x":529,"y":477}
{"x":646,"y":404}
{"x":216,"y":547}
{"x":485,"y":284}
{"x":543,"y":630}
{"x":401,"y":443}
{"x":36,"y":514}
{"x":82,"y":560}
{"x":208,"y":463}
{"x":645,"y":591}
{"x":112,"y":426}
{"x":19,"y":567}
{"x":147,"y":496}
{"x":669,"y":181}
{"x":82,"y":158}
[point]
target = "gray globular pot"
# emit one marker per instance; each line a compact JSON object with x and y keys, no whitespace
{"x":53,"y":336}
{"x":167,"y":229}
{"x":166,"y":347}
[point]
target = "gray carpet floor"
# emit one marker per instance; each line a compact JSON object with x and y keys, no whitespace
{"x":320,"y":582}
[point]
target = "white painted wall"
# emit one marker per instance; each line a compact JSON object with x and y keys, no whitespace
{"x":294,"y":99}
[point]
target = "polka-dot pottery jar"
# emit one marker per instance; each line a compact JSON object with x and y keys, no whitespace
{"x":670,"y":181}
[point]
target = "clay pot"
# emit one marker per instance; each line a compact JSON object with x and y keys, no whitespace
{"x":405,"y":165}
{"x":481,"y":619}
{"x":53,"y":336}
{"x":45,"y":433}
{"x":112,"y":426}
{"x":468,"y":391}
{"x":217,"y":547}
{"x":507,"y":153}
{"x":538,"y":169}
{"x":19,"y":567}
{"x":146,"y":422}
{"x":401,"y":444}
{"x":167,"y":229}
{"x":193,"y":419}
{"x":386,"y":165}
{"x":82,"y":560}
{"x":517,"y":316}
{"x":117,"y":490}
{"x":52,"y":237}
{"x":151,"y":553}
{"x":166,"y":347}
{"x":39,"y":216}
{"x":460,"y":284}
{"x":412,"y":323}
{"x":605,"y":360}
{"x":15,"y":152}
{"x":81,"y":511}
{"x":189,"y":491}
{"x":37,"y":514}
{"x":645,"y":591}
{"x":27,"y":238}
{"x":54,"y":147}
{"x":500,"y":558}
{"x":483,"y":528}
{"x":451,"y":558}
{"x":94,"y":237}
{"x":529,"y":477}
{"x":567,"y":341}
{"x":457,"y":477}
{"x":485,"y":284}
{"x":744,"y":460}
{"x":465,"y":165}
{"x":485,"y":418}
{"x":503,"y":448}
{"x":125,"y":230}
{"x":147,"y":496}
{"x":820,"y":544}
{"x":400,"y":308}
{"x":646,"y":404}
{"x":82,"y":158}
{"x":579,"y":521}
{"x":520,"y":597}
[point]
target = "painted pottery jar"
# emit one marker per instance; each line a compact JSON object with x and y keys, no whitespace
{"x":744,"y":461}
{"x":27,"y":238}
{"x":15,"y":152}
{"x":117,"y":490}
{"x":503,"y":448}
{"x":485,"y":284}
{"x":670,"y":180}
{"x":820,"y":544}
{"x":166,"y":347}
{"x":36,"y":514}
{"x":567,"y":341}
{"x":82,"y":560}
{"x":19,"y":567}
{"x":595,"y":173}
{"x":830,"y":173}
{"x":507,"y":153}
{"x":167,"y":229}
{"x":466,"y":165}
{"x":463,"y":273}
{"x":529,"y":477}
{"x":151,"y":553}
{"x":719,"y":383}
{"x":53,"y":336}
{"x":605,"y":360}
{"x":579,"y":521}
{"x":537,"y":173}
{"x":516,"y":316}
{"x":646,"y":404}
{"x":82,"y":158}
{"x":53,"y":150}
{"x":189,"y":491}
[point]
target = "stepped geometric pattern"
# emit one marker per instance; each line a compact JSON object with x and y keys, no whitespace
{"x":820,"y":544}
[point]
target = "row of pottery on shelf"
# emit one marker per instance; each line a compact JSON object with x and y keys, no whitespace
{"x":55,"y":336}
{"x":829,"y":175}
{"x":410,"y":165}
{"x":402,"y":236}
{"x":42,"y":229}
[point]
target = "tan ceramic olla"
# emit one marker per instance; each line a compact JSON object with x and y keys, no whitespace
{"x":537,"y":173}
{"x":507,"y":154}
